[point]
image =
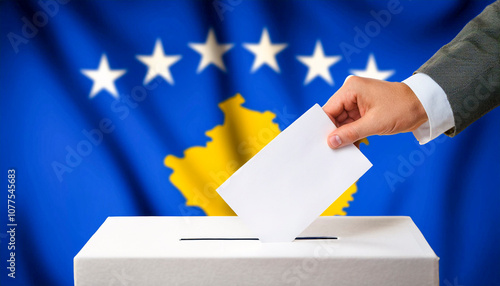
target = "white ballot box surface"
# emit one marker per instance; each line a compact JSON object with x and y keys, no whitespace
{"x":222,"y":251}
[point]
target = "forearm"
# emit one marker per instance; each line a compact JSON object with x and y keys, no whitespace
{"x":468,"y":68}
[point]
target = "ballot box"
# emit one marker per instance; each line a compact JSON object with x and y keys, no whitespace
{"x":222,"y":251}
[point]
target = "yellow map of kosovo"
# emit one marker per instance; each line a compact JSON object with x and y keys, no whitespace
{"x":204,"y":168}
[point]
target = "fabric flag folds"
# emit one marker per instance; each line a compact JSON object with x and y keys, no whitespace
{"x":133,"y":108}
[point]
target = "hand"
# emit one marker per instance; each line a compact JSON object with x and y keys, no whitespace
{"x":364,"y":107}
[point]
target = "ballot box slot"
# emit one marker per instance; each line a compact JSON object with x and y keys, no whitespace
{"x":255,"y":238}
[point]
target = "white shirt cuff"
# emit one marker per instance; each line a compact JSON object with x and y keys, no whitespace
{"x":436,"y":105}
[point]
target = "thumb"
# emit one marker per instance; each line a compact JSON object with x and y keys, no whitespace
{"x":348,"y":133}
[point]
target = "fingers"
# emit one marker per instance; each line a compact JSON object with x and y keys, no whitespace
{"x":335,"y":106}
{"x":349,"y":133}
{"x":342,"y":104}
{"x":344,"y":110}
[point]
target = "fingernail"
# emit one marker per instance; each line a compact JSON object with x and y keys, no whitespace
{"x":335,"y":141}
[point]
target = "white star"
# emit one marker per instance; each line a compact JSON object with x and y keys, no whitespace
{"x":104,"y":78}
{"x":372,"y":71}
{"x":319,"y":64}
{"x":265,"y":52}
{"x":159,"y":64}
{"x":211,"y":52}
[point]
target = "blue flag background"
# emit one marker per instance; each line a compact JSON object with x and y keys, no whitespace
{"x":87,"y":146}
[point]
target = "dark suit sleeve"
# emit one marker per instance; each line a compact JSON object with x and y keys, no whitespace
{"x":468,"y":69}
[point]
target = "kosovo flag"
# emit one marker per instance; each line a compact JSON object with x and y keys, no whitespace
{"x":134,"y":108}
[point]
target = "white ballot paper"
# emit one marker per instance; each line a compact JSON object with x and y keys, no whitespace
{"x":293,"y":179}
